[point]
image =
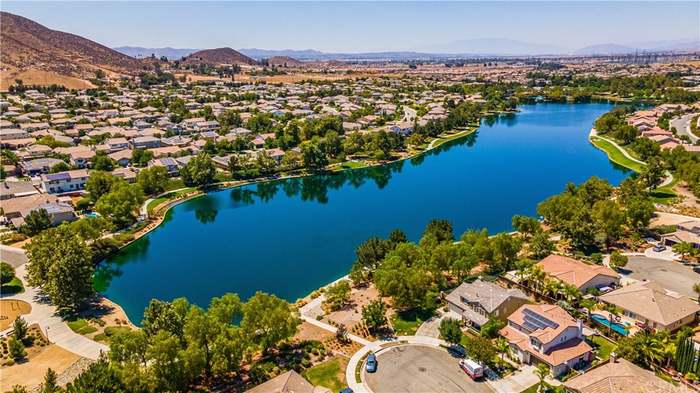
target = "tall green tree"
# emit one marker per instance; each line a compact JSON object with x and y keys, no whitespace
{"x":35,"y":222}
{"x":268,"y":320}
{"x":199,"y":171}
{"x":153,"y":180}
{"x":61,"y":263}
{"x":121,"y":204}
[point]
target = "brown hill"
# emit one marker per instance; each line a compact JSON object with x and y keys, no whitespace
{"x":219,"y":56}
{"x":39,"y":55}
{"x":284,"y":61}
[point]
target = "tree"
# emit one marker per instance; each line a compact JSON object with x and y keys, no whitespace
{"x":99,"y":183}
{"x":491,"y":328}
{"x":441,"y":230}
{"x":121,"y":204}
{"x":617,"y":260}
{"x":199,"y":171}
{"x":16,"y":349}
{"x":480,"y":349}
{"x":61,"y":263}
{"x":540,"y":246}
{"x":140,"y":157}
{"x":50,"y":384}
{"x":268,"y":320}
{"x":505,"y":249}
{"x":542,"y":372}
{"x":685,"y":249}
{"x":337,"y":295}
{"x":374,"y":315}
{"x":60,"y":167}
{"x":653,"y":173}
{"x":608,"y":219}
{"x":153,"y":180}
{"x":451,"y":331}
{"x":341,"y":333}
{"x":696,"y":289}
{"x":638,"y":210}
{"x":502,"y":346}
{"x":408,"y":286}
{"x":7,"y":273}
{"x":173,"y":368}
{"x":36,"y":221}
{"x":20,"y":329}
{"x":314,"y":158}
{"x":99,"y":377}
{"x":165,"y":316}
{"x":528,"y":226}
{"x":102,"y":162}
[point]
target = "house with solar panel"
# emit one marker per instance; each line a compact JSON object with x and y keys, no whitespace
{"x":64,"y":182}
{"x":545,"y":333}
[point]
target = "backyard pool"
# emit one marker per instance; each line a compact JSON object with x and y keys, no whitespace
{"x":616,"y":327}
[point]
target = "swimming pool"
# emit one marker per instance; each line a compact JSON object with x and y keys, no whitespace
{"x":616,"y":327}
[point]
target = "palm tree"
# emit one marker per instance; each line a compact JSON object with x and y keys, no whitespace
{"x":696,"y":288}
{"x":542,"y":372}
{"x":551,"y":288}
{"x":537,"y":276}
{"x":650,"y":349}
{"x":502,"y":347}
{"x":571,"y":293}
{"x":588,"y":304}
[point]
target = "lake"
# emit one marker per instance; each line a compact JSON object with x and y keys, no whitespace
{"x":290,"y":237}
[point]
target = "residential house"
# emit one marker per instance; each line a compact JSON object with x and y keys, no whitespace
{"x":168,"y":163}
{"x":653,"y":305}
{"x":62,"y":182}
{"x":145,"y":142}
{"x":16,"y":189}
{"x":545,"y":333}
{"x":39,"y":165}
{"x":402,"y":128}
{"x":289,"y":382}
{"x":81,"y":157}
{"x":686,"y":232}
{"x":579,"y":274}
{"x":619,"y":376}
{"x":478,"y":301}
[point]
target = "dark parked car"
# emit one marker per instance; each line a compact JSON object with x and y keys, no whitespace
{"x":346,"y":390}
{"x":659,"y":248}
{"x":371,"y":365}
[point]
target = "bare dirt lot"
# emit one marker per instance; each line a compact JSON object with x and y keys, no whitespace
{"x":31,"y":373}
{"x":10,"y":309}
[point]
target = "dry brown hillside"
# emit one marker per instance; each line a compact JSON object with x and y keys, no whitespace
{"x":284,"y":61}
{"x":38,"y":55}
{"x":219,"y":56}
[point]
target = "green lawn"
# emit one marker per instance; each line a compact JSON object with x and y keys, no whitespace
{"x":81,"y":326}
{"x":665,"y":194}
{"x":329,"y":374}
{"x":171,"y":195}
{"x":110,"y":332}
{"x":602,"y":346}
{"x":353,"y":165}
{"x":407,"y":322}
{"x":14,"y":286}
{"x":615,"y":155}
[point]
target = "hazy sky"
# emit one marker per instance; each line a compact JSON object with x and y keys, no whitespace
{"x":362,"y":26}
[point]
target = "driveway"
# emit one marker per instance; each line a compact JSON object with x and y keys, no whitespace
{"x":682,"y":125}
{"x":414,"y":368}
{"x":671,"y":275}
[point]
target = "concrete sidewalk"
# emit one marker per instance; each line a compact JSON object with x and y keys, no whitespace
{"x":53,"y":326}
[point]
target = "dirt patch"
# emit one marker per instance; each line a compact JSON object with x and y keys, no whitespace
{"x":31,"y":373}
{"x":10,"y":309}
{"x":352,"y":313}
{"x":307,"y":332}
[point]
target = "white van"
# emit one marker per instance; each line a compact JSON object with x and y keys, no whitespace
{"x":472,"y":368}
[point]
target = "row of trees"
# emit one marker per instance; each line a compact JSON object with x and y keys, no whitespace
{"x":413,"y":274}
{"x":587,"y":215}
{"x":183,"y":347}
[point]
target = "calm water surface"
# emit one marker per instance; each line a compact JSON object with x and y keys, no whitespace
{"x":290,"y":237}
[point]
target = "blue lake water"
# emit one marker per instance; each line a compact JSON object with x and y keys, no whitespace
{"x":290,"y":237}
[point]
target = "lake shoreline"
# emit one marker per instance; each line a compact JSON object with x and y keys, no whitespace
{"x":120,"y":290}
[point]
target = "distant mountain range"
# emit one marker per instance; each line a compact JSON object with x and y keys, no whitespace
{"x":486,"y":47}
{"x":638,"y":47}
